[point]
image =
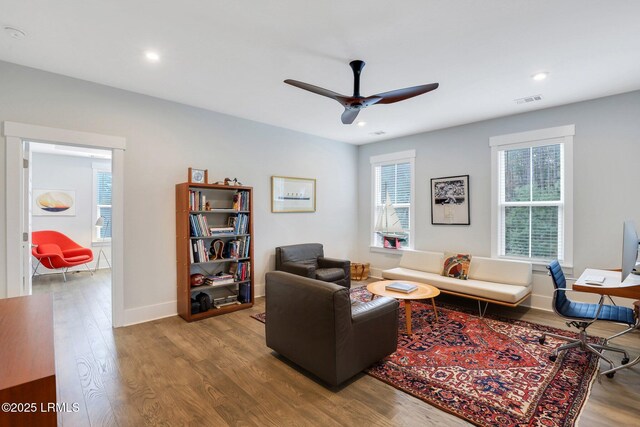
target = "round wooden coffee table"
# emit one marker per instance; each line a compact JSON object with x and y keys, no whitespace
{"x":423,"y":292}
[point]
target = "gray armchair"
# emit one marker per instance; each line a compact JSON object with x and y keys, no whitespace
{"x":313,"y":324}
{"x":308,"y":260}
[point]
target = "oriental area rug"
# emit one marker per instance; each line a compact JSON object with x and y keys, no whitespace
{"x":490,"y":371}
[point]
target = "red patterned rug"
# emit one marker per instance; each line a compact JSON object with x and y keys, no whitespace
{"x":487,"y":371}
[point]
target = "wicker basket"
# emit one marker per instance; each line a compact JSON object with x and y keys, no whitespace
{"x":359,"y":271}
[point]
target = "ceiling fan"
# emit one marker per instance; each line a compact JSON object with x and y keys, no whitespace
{"x":353,"y":104}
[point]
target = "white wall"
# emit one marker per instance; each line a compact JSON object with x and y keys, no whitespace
{"x":163,"y":140}
{"x":61,"y":172}
{"x":606,"y":179}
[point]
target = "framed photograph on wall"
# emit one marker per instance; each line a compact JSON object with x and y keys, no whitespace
{"x":293,"y":194}
{"x":450,"y":200}
{"x":54,"y":202}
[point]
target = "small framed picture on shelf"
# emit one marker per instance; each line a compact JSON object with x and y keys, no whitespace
{"x":198,"y":176}
{"x":231,"y":221}
{"x":293,"y":194}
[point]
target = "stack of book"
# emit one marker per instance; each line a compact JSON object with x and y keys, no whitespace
{"x":220,"y":230}
{"x":220,"y":279}
{"x":241,"y":201}
{"x":240,"y":270}
{"x":244,"y":292}
{"x":198,"y":252}
{"x":197,"y":200}
{"x":199,"y":226}
{"x":241,"y":224}
{"x":239,"y":248}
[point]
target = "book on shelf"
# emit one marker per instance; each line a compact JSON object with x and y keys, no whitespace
{"x":405,"y":288}
{"x":244,"y":292}
{"x":241,"y":200}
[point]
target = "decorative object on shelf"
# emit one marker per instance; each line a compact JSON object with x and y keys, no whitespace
{"x":198,"y":176}
{"x":197,"y":279}
{"x":54,"y":202}
{"x":234,"y":181}
{"x":217,"y":248}
{"x":450,"y":200}
{"x":293,"y":194}
{"x":207,"y":206}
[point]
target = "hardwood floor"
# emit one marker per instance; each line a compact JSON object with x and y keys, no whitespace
{"x":218,"y":371}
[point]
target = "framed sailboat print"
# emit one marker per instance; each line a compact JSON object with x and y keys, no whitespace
{"x":293,"y":194}
{"x":450,"y":200}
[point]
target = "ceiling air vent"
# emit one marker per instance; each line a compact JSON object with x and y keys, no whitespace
{"x":528,"y":99}
{"x":378,"y":133}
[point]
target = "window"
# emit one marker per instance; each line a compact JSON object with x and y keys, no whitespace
{"x":532,"y":195}
{"x":102,"y":202}
{"x":392,"y":179}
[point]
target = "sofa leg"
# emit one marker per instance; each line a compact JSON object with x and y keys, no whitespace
{"x":64,"y":276}
{"x":482,"y":310}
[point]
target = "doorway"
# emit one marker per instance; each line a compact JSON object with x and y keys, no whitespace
{"x":69,"y":209}
{"x":18,"y":257}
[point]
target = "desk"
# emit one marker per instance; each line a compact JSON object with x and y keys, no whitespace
{"x":630,"y":288}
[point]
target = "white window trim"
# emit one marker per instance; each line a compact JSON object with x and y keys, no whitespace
{"x":385,"y":159}
{"x":539,"y":137}
{"x":95,"y":240}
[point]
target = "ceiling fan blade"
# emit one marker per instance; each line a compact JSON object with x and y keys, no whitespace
{"x":317,"y":89}
{"x":349,"y":116}
{"x":406,"y":93}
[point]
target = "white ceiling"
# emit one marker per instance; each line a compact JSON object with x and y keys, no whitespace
{"x":231,"y":56}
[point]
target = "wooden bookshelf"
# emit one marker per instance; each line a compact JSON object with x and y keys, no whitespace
{"x":221,"y":200}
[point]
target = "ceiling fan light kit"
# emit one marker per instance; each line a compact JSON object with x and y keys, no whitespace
{"x":353,"y":104}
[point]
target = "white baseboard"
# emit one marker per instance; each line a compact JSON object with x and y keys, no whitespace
{"x":539,"y":302}
{"x":148,"y":313}
{"x":260,"y":290}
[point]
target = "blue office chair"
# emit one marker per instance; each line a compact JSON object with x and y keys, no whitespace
{"x":582,"y":315}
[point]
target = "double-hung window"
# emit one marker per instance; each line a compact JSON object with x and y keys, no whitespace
{"x":102,"y":202}
{"x":392,"y":177}
{"x":532,"y":195}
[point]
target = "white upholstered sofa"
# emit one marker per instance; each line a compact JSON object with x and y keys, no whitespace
{"x":499,"y":281}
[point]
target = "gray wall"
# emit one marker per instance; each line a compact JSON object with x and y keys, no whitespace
{"x":163,"y":140}
{"x":606,"y":179}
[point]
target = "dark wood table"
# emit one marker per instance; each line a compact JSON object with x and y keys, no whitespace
{"x":27,"y":362}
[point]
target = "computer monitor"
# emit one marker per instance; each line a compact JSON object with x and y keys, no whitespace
{"x":629,"y":248}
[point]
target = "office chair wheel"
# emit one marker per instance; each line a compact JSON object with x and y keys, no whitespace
{"x":541,"y":340}
{"x":610,"y":374}
{"x":553,"y":357}
{"x":625,"y":361}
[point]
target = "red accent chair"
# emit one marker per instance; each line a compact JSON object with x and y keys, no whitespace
{"x":56,"y":251}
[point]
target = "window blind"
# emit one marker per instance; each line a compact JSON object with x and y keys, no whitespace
{"x":531,"y":202}
{"x":103,"y":199}
{"x":393,"y":179}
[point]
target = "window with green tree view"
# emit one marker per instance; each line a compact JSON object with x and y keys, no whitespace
{"x":532,"y":215}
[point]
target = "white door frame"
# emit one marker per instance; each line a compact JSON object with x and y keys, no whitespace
{"x":15,"y":134}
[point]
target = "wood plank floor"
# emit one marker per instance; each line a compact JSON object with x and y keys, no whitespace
{"x":218,"y":372}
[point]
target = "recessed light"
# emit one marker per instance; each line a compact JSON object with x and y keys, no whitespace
{"x":152,"y":56}
{"x":540,"y":76}
{"x":361,"y":123}
{"x":15,"y":33}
